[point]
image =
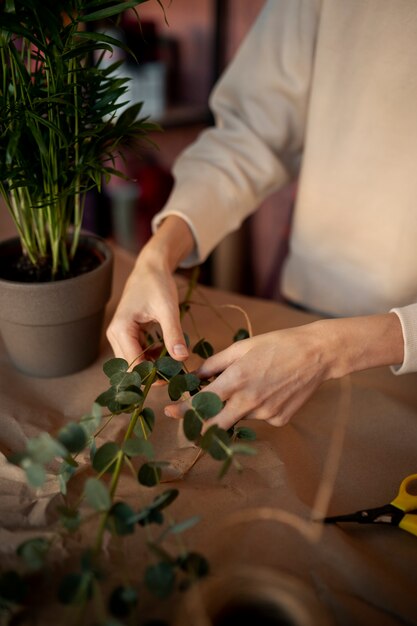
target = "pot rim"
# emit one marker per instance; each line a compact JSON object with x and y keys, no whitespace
{"x":96,"y":240}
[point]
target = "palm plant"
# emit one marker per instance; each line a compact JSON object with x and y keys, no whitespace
{"x":59,"y":128}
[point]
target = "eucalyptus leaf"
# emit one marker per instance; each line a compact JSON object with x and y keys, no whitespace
{"x":168,"y":367}
{"x":105,"y":456}
{"x":216,"y":442}
{"x":160,"y":579}
{"x":164,"y":499}
{"x":180,"y":527}
{"x":122,"y":380}
{"x":150,"y":473}
{"x":144,"y":369}
{"x":241,"y":334}
{"x":207,"y":404}
{"x":192,"y":425}
{"x":138,"y":447}
{"x":242,"y":432}
{"x":97,"y":494}
{"x":107,"y":397}
{"x":73,"y":437}
{"x":34,"y":552}
{"x":203,"y":348}
{"x":35,"y":473}
{"x":128,"y":398}
{"x":70,"y":518}
{"x":115,"y":366}
{"x":181,"y":383}
{"x":194,"y":564}
{"x":44,"y":448}
{"x":120,"y":516}
{"x":145,"y":423}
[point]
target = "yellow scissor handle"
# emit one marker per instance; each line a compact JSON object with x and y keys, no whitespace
{"x":409,"y":523}
{"x":406,"y":499}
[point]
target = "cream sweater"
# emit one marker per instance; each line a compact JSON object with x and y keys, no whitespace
{"x":326,"y":91}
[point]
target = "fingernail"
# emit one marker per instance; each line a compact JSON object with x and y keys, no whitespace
{"x":167,"y":413}
{"x":180,"y":350}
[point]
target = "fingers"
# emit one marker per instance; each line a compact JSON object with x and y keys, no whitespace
{"x":172,"y":333}
{"x":218,"y":362}
{"x":124,"y":341}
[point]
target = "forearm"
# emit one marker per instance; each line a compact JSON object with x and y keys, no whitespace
{"x":172,"y":242}
{"x":359,"y":343}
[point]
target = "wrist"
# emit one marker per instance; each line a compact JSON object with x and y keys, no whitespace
{"x":171,"y":244}
{"x":359,"y":343}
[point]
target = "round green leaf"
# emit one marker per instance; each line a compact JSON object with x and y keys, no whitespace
{"x":149,"y":474}
{"x":105,"y":455}
{"x":179,"y":528}
{"x":97,"y":494}
{"x":44,"y":449}
{"x":35,"y":473}
{"x":164,"y":499}
{"x":138,"y":447}
{"x":127,"y":398}
{"x":216,"y":442}
{"x":241,"y":334}
{"x":168,"y":367}
{"x":160,"y":579}
{"x":121,"y":380}
{"x":70,"y":518}
{"x":108,"y":396}
{"x":73,"y":437}
{"x":120,"y":518}
{"x":33,"y":552}
{"x":203,"y":348}
{"x":115,"y":366}
{"x":192,"y":425}
{"x":207,"y":404}
{"x":245,"y":433}
{"x":144,"y":369}
{"x":176,"y":387}
{"x":195,"y":564}
{"x":146,"y":422}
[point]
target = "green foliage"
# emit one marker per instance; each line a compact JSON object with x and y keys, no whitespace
{"x":167,"y":570}
{"x":241,"y":334}
{"x":97,"y":495}
{"x":59,"y":130}
{"x":34,"y":552}
{"x":203,"y":348}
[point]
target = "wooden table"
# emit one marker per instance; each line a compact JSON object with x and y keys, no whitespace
{"x":260,"y":518}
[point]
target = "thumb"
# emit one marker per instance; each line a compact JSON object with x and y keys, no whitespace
{"x":173,"y":336}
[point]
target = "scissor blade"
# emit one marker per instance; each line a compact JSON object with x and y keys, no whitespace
{"x":387,"y":514}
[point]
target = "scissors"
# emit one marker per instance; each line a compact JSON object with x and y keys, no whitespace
{"x":401,"y":512}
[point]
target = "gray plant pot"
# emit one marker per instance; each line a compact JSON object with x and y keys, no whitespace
{"x":54,"y":329}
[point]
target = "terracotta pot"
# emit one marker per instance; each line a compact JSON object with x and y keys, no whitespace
{"x":54,"y":328}
{"x":252,"y":595}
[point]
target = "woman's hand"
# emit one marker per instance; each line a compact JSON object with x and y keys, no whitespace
{"x":150,"y":294}
{"x":269,"y":377}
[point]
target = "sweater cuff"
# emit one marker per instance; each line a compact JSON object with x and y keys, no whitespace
{"x":408,"y":319}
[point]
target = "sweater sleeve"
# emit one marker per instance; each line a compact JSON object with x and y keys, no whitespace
{"x":408,"y":320}
{"x":259,"y":107}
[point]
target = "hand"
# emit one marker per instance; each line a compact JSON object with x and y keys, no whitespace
{"x":150,"y":295}
{"x":269,"y":377}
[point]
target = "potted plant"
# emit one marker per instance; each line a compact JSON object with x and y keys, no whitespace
{"x":60,"y":133}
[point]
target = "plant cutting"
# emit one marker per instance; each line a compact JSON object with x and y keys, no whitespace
{"x":88,"y":585}
{"x":60,"y":133}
